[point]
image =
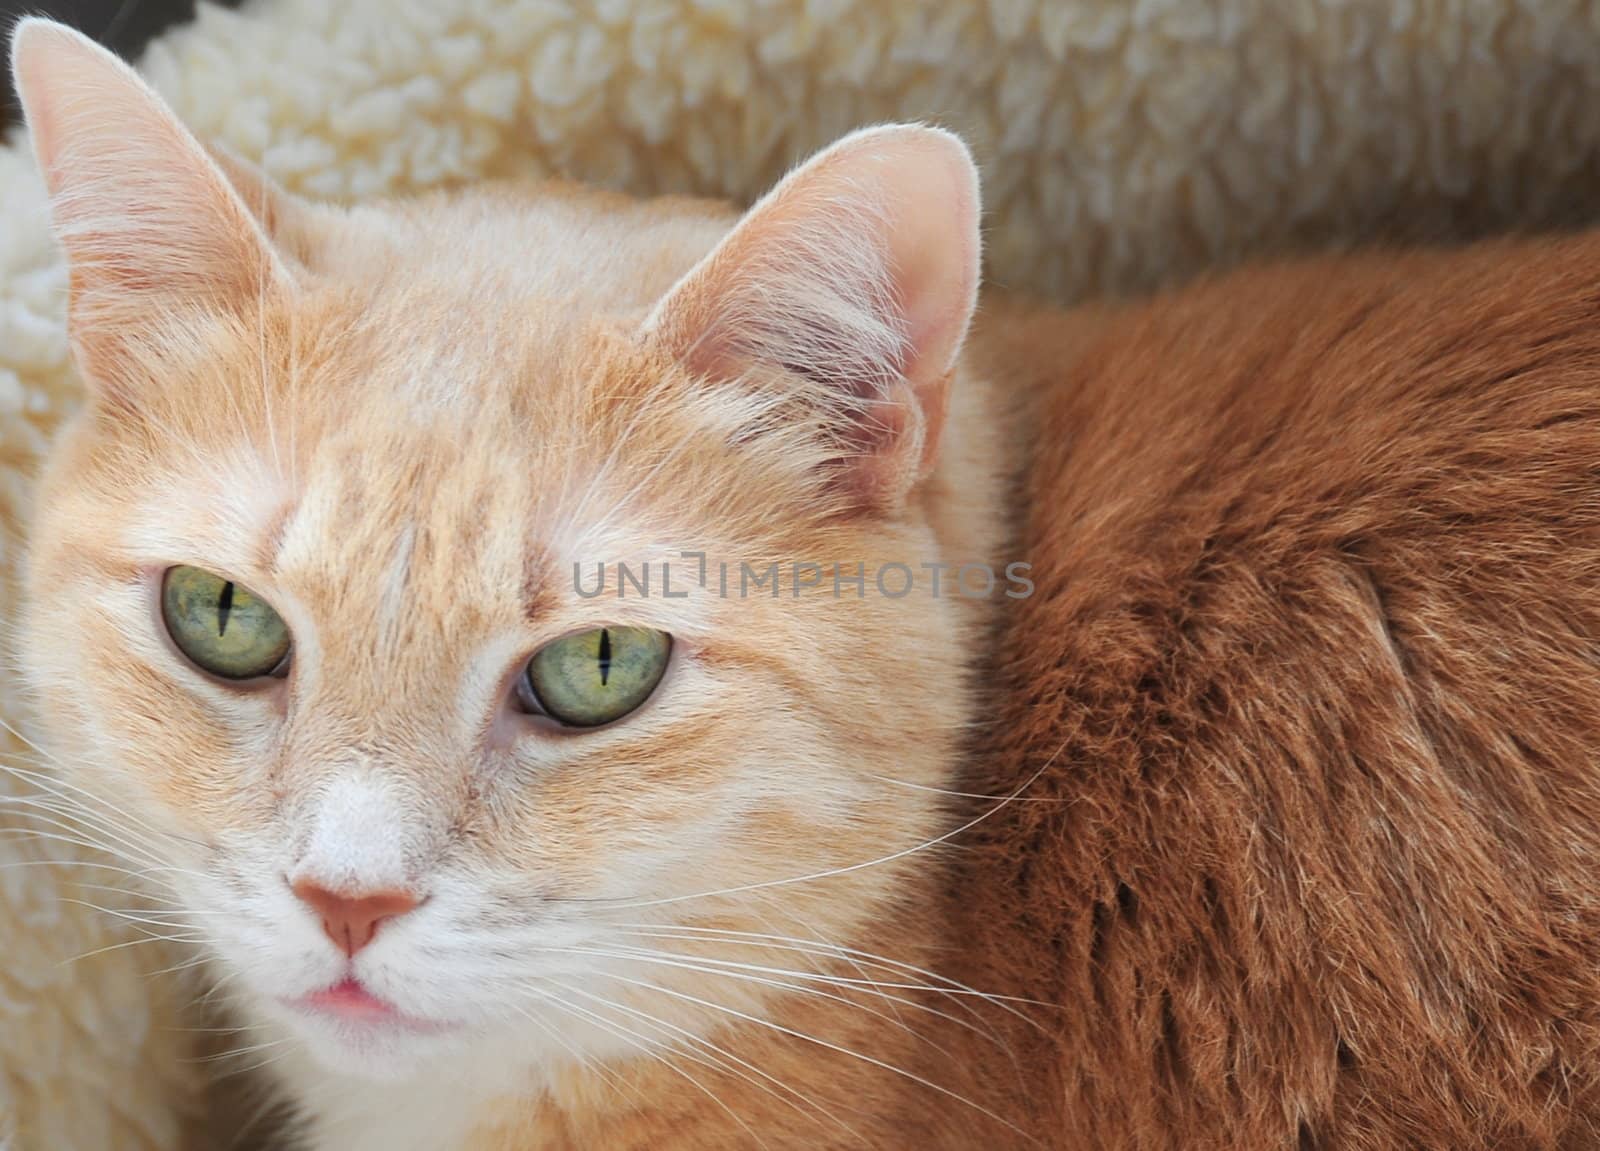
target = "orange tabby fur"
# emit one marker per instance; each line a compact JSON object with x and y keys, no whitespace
{"x":1281,"y":786}
{"x":1313,"y":664}
{"x":403,"y":425}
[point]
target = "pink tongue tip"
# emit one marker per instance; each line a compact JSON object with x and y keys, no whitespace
{"x":349,"y":999}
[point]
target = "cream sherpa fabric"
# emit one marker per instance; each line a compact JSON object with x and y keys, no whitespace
{"x":1124,"y":142}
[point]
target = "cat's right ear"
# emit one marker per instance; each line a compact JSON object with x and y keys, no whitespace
{"x":153,"y":228}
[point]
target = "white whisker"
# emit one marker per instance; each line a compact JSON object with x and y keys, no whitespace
{"x":725,"y":1055}
{"x":628,"y":1035}
{"x":853,"y":867}
{"x":842,"y":1050}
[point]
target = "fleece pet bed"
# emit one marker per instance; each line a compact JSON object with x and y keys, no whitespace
{"x":1125,"y":143}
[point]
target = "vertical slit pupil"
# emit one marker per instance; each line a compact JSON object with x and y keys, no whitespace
{"x":224,"y":608}
{"x":605,"y":655}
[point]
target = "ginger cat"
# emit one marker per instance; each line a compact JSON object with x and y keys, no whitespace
{"x":1275,"y":823}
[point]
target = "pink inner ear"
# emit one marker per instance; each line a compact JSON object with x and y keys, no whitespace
{"x":857,"y":275}
{"x":858,"y":270}
{"x":933,"y":251}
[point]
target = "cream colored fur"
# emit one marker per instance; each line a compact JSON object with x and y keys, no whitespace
{"x":404,"y":426}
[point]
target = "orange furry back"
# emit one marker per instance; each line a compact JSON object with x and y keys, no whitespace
{"x":1311,"y":672}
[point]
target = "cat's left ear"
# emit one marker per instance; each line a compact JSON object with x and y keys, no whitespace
{"x":848,"y":288}
{"x":152,"y":226}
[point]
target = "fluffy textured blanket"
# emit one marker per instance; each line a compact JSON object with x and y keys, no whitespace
{"x":1125,"y":143}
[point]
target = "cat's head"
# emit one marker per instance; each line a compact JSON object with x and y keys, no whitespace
{"x":303,"y":614}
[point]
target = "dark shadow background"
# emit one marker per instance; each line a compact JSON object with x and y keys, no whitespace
{"x":125,"y":26}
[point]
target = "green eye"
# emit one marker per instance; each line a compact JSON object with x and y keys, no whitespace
{"x":223,"y":627}
{"x":596,"y":676}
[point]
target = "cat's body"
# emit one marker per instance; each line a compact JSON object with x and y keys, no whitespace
{"x":1314,"y":667}
{"x":1277,"y":821}
{"x":1310,"y":683}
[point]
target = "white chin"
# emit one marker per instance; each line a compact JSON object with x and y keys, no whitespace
{"x":378,"y":1051}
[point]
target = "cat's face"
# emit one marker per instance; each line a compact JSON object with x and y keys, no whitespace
{"x":375,"y":446}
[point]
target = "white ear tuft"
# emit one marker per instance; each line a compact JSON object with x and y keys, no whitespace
{"x":856,"y":279}
{"x":149,"y":222}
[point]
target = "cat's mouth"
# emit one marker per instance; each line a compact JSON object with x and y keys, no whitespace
{"x":349,"y":1003}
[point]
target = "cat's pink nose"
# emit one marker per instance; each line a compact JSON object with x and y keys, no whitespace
{"x":351,"y":921}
